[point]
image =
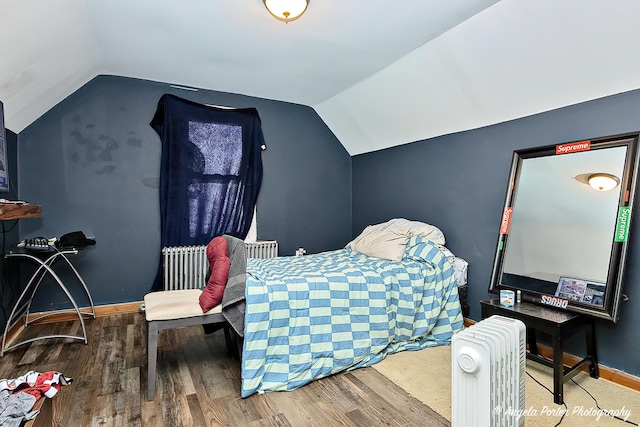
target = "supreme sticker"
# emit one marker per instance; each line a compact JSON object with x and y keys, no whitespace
{"x":573,"y":147}
{"x":506,"y":220}
{"x":622,"y":225}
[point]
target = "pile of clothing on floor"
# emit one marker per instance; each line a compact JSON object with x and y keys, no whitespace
{"x":19,"y":395}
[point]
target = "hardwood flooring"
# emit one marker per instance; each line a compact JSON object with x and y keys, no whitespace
{"x":198,"y":383}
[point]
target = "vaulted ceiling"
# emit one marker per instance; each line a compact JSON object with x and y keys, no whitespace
{"x":379,"y":73}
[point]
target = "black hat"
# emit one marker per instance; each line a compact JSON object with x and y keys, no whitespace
{"x":75,"y":239}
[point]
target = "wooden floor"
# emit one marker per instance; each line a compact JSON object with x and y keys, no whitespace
{"x":198,"y":384}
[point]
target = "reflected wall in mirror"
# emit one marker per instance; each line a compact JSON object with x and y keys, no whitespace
{"x":563,"y":241}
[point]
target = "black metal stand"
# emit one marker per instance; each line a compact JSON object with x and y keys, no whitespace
{"x":559,"y":325}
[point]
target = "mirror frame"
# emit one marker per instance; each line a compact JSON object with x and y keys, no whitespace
{"x":617,"y":260}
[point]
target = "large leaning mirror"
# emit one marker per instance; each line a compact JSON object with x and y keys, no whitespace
{"x":564,"y":231}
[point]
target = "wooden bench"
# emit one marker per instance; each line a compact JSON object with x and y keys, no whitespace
{"x":175,"y":309}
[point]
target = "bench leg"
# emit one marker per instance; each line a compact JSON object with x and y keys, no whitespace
{"x":239,"y":342}
{"x":227,"y":339}
{"x":152,"y":358}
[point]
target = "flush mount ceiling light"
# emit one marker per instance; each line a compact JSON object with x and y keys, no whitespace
{"x":286,"y":10}
{"x":603,"y":181}
{"x":599,"y":181}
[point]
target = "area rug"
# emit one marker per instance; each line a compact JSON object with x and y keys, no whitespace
{"x":426,"y":375}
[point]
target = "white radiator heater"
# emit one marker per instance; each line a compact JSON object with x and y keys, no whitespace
{"x":488,"y":367}
{"x":185,"y":267}
{"x":262,"y":249}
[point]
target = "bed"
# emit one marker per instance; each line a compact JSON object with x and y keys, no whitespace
{"x":311,"y":316}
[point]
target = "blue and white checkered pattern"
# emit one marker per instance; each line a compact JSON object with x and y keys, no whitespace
{"x":312,"y":316}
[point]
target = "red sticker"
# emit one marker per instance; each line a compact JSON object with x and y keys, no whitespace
{"x":573,"y":147}
{"x":506,"y":220}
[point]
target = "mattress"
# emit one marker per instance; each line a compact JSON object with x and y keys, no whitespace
{"x":312,"y":316}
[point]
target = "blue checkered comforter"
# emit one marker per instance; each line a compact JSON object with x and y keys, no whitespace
{"x":312,"y":316}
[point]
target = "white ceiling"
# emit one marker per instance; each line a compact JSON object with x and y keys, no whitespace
{"x":379,"y":73}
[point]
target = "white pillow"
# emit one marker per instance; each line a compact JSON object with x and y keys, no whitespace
{"x":381,"y":243}
{"x":415,"y":228}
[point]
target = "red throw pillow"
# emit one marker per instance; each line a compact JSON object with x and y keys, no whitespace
{"x":219,"y":263}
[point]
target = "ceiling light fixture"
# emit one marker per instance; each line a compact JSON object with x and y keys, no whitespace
{"x":599,"y":181}
{"x":603,"y":181}
{"x":286,"y":10}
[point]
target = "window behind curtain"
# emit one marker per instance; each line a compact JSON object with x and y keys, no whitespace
{"x":211,"y":170}
{"x":220,"y":147}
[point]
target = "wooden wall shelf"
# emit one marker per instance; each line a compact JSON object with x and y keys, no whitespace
{"x":17,"y":211}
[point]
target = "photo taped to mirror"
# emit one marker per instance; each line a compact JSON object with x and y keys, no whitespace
{"x":583,"y":291}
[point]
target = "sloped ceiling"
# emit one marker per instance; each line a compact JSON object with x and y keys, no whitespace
{"x":379,"y":73}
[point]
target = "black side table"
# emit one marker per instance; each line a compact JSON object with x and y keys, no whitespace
{"x":558,"y":324}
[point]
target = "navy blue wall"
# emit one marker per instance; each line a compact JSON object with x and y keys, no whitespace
{"x":93,"y":162}
{"x":458,"y":182}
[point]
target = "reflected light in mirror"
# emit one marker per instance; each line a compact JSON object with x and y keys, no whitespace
{"x":286,"y":10}
{"x":599,"y":181}
{"x":603,"y":181}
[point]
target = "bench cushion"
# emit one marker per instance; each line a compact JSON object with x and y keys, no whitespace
{"x":167,"y":305}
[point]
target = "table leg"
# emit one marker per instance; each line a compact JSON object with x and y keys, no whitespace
{"x":590,"y":335}
{"x":80,"y":279}
{"x":558,"y":369}
{"x":531,"y":341}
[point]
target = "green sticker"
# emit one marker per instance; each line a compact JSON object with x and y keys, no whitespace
{"x":500,"y":243}
{"x":622,"y":226}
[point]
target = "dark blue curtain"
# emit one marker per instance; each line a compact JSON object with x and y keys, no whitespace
{"x":211,"y":170}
